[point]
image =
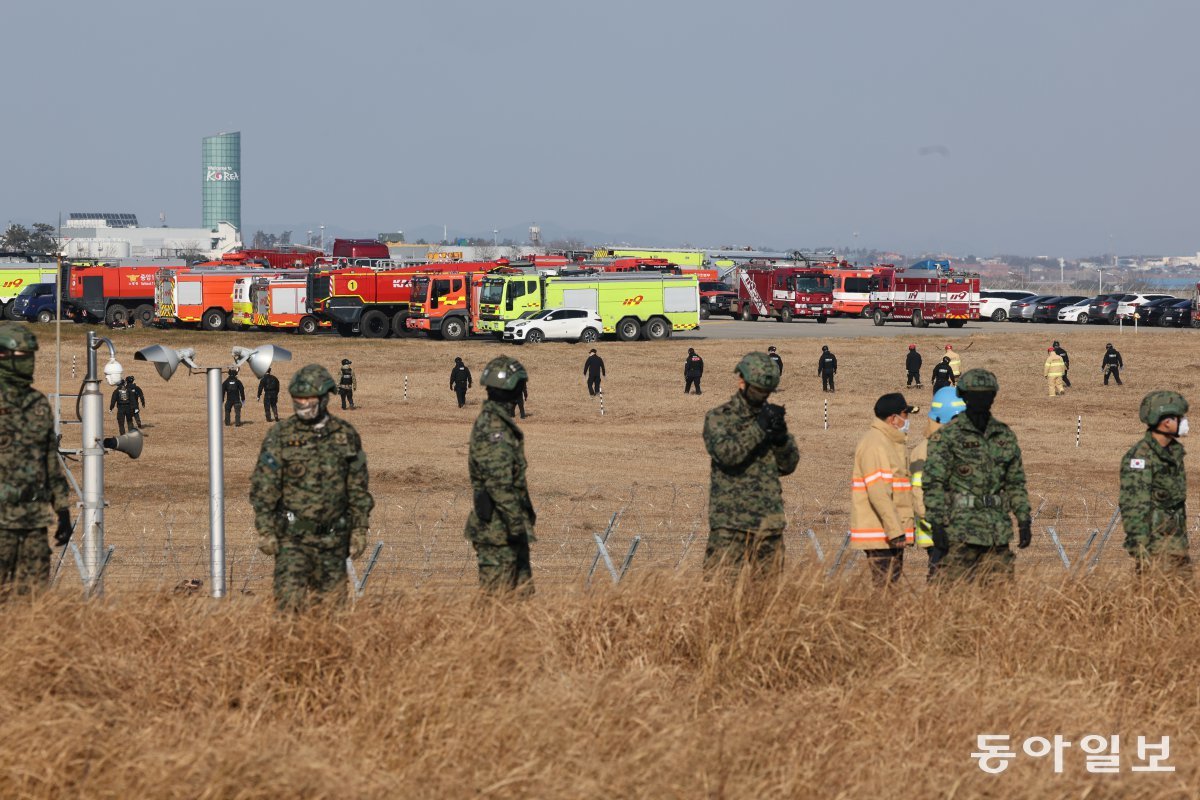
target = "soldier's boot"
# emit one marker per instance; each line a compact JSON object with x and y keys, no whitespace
{"x":237,"y":411}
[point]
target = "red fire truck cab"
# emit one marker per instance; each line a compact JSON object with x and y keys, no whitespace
{"x":922,"y":296}
{"x":782,"y":292}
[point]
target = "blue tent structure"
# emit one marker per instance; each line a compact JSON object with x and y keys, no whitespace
{"x":930,"y":263}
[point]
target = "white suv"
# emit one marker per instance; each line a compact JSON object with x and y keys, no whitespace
{"x":1129,"y":307}
{"x":573,"y":324}
{"x":994,"y":305}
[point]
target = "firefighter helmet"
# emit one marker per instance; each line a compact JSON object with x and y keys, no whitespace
{"x":1162,"y":403}
{"x":503,"y":372}
{"x":757,"y":369}
{"x":311,"y":381}
{"x":978,"y":380}
{"x":14,"y":336}
{"x":946,"y":405}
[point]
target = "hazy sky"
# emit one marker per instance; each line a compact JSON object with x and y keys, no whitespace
{"x":1058,"y":127}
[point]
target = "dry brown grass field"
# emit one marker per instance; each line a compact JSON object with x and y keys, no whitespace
{"x":661,"y":687}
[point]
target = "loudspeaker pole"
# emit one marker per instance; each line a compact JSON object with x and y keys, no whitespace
{"x":91,"y":411}
{"x":216,"y":483}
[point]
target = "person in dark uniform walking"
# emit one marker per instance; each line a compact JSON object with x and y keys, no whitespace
{"x":912,"y":364}
{"x":122,"y":401}
{"x":1112,"y":364}
{"x":826,"y":368}
{"x":522,"y":396}
{"x":460,"y":381}
{"x":593,"y":368}
{"x":1066,"y":363}
{"x":942,"y":374}
{"x":268,"y":392}
{"x":139,"y":401}
{"x":347,"y":383}
{"x":693,"y":369}
{"x":235,"y":395}
{"x":774,"y":356}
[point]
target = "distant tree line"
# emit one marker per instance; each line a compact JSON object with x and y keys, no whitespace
{"x":266,"y":241}
{"x":40,"y":239}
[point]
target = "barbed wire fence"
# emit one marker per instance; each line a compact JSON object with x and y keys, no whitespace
{"x":423,"y":547}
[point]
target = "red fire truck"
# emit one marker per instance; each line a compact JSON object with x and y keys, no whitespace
{"x":201,"y":296}
{"x":373,"y":302}
{"x":922,"y":296}
{"x":445,"y":305}
{"x":287,"y":256}
{"x":115,"y":294}
{"x":281,"y":301}
{"x":782,"y":291}
{"x":852,"y":287}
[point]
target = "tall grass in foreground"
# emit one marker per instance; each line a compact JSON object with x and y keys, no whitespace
{"x":661,"y":688}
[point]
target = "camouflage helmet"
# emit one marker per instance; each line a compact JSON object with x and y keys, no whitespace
{"x":1162,"y":403}
{"x":978,"y":380}
{"x":757,"y":369}
{"x":503,"y":372}
{"x":311,"y":381}
{"x":17,"y":337}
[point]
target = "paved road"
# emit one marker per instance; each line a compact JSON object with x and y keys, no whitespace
{"x":840,"y":328}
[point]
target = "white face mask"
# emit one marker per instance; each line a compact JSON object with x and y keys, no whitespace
{"x":1183,"y":427}
{"x":904,"y":428}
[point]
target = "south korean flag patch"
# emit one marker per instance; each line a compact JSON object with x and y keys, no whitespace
{"x":1137,"y":463}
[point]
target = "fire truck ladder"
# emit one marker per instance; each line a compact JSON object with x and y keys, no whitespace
{"x":752,"y":291}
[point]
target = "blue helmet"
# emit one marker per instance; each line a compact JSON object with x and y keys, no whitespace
{"x":946,"y":405}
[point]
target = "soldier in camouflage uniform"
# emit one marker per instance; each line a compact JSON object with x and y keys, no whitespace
{"x":500,"y":525}
{"x":310,"y":497}
{"x":972,"y":481}
{"x":32,"y":482}
{"x":1154,"y":487}
{"x":750,"y":447}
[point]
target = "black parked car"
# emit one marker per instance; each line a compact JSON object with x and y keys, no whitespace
{"x":1176,"y":315}
{"x":1048,"y":311}
{"x":1104,"y":308}
{"x":1151,"y":313}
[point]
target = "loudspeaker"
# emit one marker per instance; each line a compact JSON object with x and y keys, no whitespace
{"x":128,"y":443}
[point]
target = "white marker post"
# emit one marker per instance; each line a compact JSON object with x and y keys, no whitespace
{"x":601,"y":402}
{"x":406,"y":388}
{"x":1078,"y":428}
{"x":827,"y":414}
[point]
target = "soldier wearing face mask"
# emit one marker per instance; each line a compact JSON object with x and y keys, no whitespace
{"x":310,"y":496}
{"x":881,"y":505}
{"x":750,"y":447}
{"x":1153,"y":497}
{"x":33,"y":488}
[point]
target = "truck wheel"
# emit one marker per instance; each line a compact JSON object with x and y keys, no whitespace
{"x":308,"y":325}
{"x":10,"y":310}
{"x":918,"y":320}
{"x":878,"y":318}
{"x":400,"y":325}
{"x":955,"y":323}
{"x":999,"y":315}
{"x":785,"y":315}
{"x":45,"y":315}
{"x":535,"y":336}
{"x":589,"y":335}
{"x":704,"y":312}
{"x":656,"y":329}
{"x":822,"y":320}
{"x":213,"y":320}
{"x":628,"y":329}
{"x":375,"y":324}
{"x":144,"y":315}
{"x":747,"y":314}
{"x":867,"y":312}
{"x":116,"y":314}
{"x":454,"y":328}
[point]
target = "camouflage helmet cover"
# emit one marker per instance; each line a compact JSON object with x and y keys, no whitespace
{"x":503,"y":372}
{"x":17,"y":337}
{"x":978,"y":380}
{"x":1162,"y":403}
{"x":311,"y":381}
{"x":757,"y":369}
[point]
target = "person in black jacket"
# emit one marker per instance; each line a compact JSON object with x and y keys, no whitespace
{"x":774,"y":356}
{"x":593,"y":368}
{"x":268,"y":392}
{"x":522,"y":396}
{"x":460,"y":381}
{"x":693,"y":369}
{"x":912,"y":363}
{"x":1112,"y":364}
{"x":139,"y":401}
{"x":235,"y":395}
{"x":942,"y":375}
{"x":826,"y":368}
{"x":1066,"y":363}
{"x":123,"y":401}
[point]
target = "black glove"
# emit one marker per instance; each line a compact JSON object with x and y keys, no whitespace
{"x":937,"y":532}
{"x":771,"y":420}
{"x":63,"y":534}
{"x":484,"y":506}
{"x":1025,"y":533}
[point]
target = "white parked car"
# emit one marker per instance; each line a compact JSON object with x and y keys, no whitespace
{"x":1129,"y":303}
{"x":993,"y":304}
{"x":571,"y":324}
{"x":1075,"y":313}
